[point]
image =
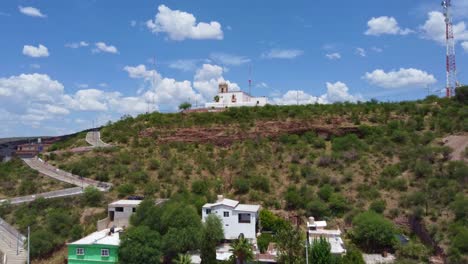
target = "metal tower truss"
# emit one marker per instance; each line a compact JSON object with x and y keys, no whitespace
{"x":451,"y":65}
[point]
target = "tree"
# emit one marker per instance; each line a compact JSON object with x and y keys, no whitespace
{"x":212,"y":234}
{"x":185,"y":106}
{"x":42,"y":242}
{"x":271,"y":222}
{"x":140,"y":245}
{"x":320,"y":252}
{"x":373,"y":232}
{"x":180,"y":227}
{"x":92,"y":196}
{"x":461,"y":94}
{"x":242,"y":250}
{"x":290,"y":245}
{"x":183,"y":259}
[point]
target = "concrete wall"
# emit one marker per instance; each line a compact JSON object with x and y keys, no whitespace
{"x":231,"y":225}
{"x":121,"y":219}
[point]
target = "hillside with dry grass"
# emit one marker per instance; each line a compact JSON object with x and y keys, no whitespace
{"x":327,"y":161}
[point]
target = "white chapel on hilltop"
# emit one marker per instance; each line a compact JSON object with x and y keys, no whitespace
{"x":225,"y":99}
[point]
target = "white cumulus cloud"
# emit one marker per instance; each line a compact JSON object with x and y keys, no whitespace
{"x":402,"y":78}
{"x":207,"y":79}
{"x":361,"y":52}
{"x":434,"y":28}
{"x":181,"y":25}
{"x":333,"y":56}
{"x":385,"y":25}
{"x":465,"y":46}
{"x":103,"y":47}
{"x":282,"y":54}
{"x":336,"y":92}
{"x":31,"y":11}
{"x":75,"y":45}
{"x":183,"y":65}
{"x":229,"y":59}
{"x":36,"y":52}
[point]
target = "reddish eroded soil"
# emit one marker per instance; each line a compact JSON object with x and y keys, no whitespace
{"x":226,"y":135}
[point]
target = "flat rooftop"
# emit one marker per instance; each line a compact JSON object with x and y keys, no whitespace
{"x":126,"y":203}
{"x":101,"y":238}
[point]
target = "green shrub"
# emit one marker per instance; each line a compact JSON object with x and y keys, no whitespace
{"x":125,"y":190}
{"x":241,"y":186}
{"x":92,"y":196}
{"x":378,"y":206}
{"x":263,"y":241}
{"x":348,"y":142}
{"x":325,"y":192}
{"x":318,"y":209}
{"x":373,"y":232}
{"x":200,"y":187}
{"x":461,"y":94}
{"x":293,"y":199}
{"x":460,"y":208}
{"x":271,"y":222}
{"x":260,"y":183}
{"x":338,"y":204}
{"x":154,"y":164}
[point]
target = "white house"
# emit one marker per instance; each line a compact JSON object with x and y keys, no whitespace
{"x":236,"y":218}
{"x":316,"y":230}
{"x":226,"y":98}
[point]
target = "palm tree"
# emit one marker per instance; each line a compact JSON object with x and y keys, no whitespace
{"x":183,"y":259}
{"x":242,"y":250}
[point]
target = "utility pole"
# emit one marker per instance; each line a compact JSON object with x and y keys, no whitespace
{"x":307,"y":251}
{"x":451,"y":65}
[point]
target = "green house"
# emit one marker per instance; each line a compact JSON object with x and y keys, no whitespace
{"x":99,"y":247}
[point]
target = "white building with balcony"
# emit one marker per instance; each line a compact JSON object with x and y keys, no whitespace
{"x":236,"y":218}
{"x":226,"y":98}
{"x":316,"y":230}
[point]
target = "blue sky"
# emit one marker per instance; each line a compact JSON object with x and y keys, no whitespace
{"x":67,"y":64}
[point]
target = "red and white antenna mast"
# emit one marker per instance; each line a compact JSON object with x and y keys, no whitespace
{"x":450,"y":41}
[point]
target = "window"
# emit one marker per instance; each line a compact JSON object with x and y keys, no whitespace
{"x":119,"y":209}
{"x":208,"y":211}
{"x":80,"y":251}
{"x":104,"y":252}
{"x":226,"y":214}
{"x":244,"y":218}
{"x":134,"y":210}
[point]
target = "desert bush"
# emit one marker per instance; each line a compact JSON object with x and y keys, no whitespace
{"x":260,"y":183}
{"x":378,"y":206}
{"x":241,"y":186}
{"x":373,"y":232}
{"x":125,"y":189}
{"x":92,"y":196}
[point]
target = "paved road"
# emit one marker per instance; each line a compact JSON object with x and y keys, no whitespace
{"x":53,"y":172}
{"x":47,"y":195}
{"x":94,"y":139}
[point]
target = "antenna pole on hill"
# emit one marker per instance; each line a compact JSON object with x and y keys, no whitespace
{"x":250,"y":79}
{"x":451,"y":65}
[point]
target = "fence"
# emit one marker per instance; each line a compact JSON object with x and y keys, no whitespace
{"x":10,"y":235}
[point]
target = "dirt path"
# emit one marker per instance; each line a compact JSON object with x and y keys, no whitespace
{"x":458,"y":143}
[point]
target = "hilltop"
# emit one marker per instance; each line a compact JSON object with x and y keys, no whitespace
{"x":327,"y":161}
